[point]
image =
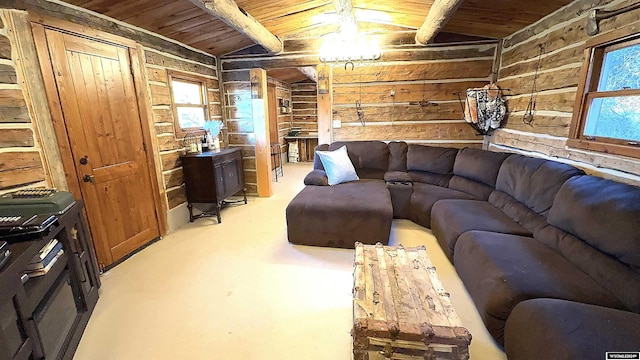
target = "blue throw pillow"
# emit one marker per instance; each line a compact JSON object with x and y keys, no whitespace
{"x":338,"y":166}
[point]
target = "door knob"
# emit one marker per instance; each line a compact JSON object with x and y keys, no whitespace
{"x":89,"y":178}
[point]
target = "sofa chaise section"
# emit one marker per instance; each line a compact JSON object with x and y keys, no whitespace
{"x":338,"y":216}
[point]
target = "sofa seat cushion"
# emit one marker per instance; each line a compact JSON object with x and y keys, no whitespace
{"x":423,"y":198}
{"x":501,"y":270}
{"x":340,"y":215}
{"x":452,"y":218}
{"x":559,"y":329}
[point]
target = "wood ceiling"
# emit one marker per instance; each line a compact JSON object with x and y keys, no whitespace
{"x":288,"y":75}
{"x":185,"y":22}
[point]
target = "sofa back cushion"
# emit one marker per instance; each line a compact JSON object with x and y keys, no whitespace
{"x":397,"y":156}
{"x":515,"y":210}
{"x":369,"y":158}
{"x":475,"y":171}
{"x":603,"y":213}
{"x":534,"y":182}
{"x":430,"y":164}
{"x":618,"y":278}
{"x":438,"y":160}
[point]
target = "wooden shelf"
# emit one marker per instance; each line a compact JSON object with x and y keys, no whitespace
{"x":37,"y":287}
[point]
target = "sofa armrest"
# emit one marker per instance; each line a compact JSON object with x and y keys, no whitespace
{"x":560,"y":329}
{"x":397,"y":176}
{"x":317,"y":164}
{"x":316,"y":177}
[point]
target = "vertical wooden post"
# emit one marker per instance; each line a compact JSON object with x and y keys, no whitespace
{"x":258,"y":78}
{"x":154,"y":162}
{"x":32,"y":83}
{"x":325,"y":112}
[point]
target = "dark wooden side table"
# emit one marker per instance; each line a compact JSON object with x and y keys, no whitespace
{"x":211,"y":177}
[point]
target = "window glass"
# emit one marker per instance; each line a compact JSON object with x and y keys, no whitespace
{"x":607,"y":113}
{"x":614,"y":117}
{"x":189,"y":103}
{"x":190,"y":117}
{"x":186,"y":93}
{"x":621,"y":69}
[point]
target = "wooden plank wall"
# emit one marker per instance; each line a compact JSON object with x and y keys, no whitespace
{"x":21,"y":160}
{"x":283,"y":91}
{"x":238,"y":112}
{"x":171,"y":147}
{"x":437,"y":71}
{"x":432,"y":74}
{"x":562,"y":36}
{"x":305,"y":106}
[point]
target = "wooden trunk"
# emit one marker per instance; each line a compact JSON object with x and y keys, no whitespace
{"x":400,"y":310}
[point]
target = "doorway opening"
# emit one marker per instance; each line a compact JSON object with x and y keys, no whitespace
{"x":293,"y":115}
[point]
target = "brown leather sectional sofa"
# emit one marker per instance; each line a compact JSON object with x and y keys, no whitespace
{"x":549,"y":255}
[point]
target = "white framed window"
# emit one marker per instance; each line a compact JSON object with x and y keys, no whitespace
{"x":189,"y":102}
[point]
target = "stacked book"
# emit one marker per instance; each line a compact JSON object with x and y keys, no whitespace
{"x":45,"y":259}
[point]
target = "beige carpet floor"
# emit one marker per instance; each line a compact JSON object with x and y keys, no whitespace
{"x":239,"y":290}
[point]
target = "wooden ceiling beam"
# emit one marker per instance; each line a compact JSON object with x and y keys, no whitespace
{"x":346,"y":16}
{"x":437,"y":17}
{"x":228,"y":12}
{"x":310,"y":72}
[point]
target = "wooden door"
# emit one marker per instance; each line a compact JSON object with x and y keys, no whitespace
{"x":98,"y":101}
{"x":231,"y":176}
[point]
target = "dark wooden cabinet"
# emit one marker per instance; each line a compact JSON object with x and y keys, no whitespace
{"x":45,"y":317}
{"x":16,"y":331}
{"x":211,"y":177}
